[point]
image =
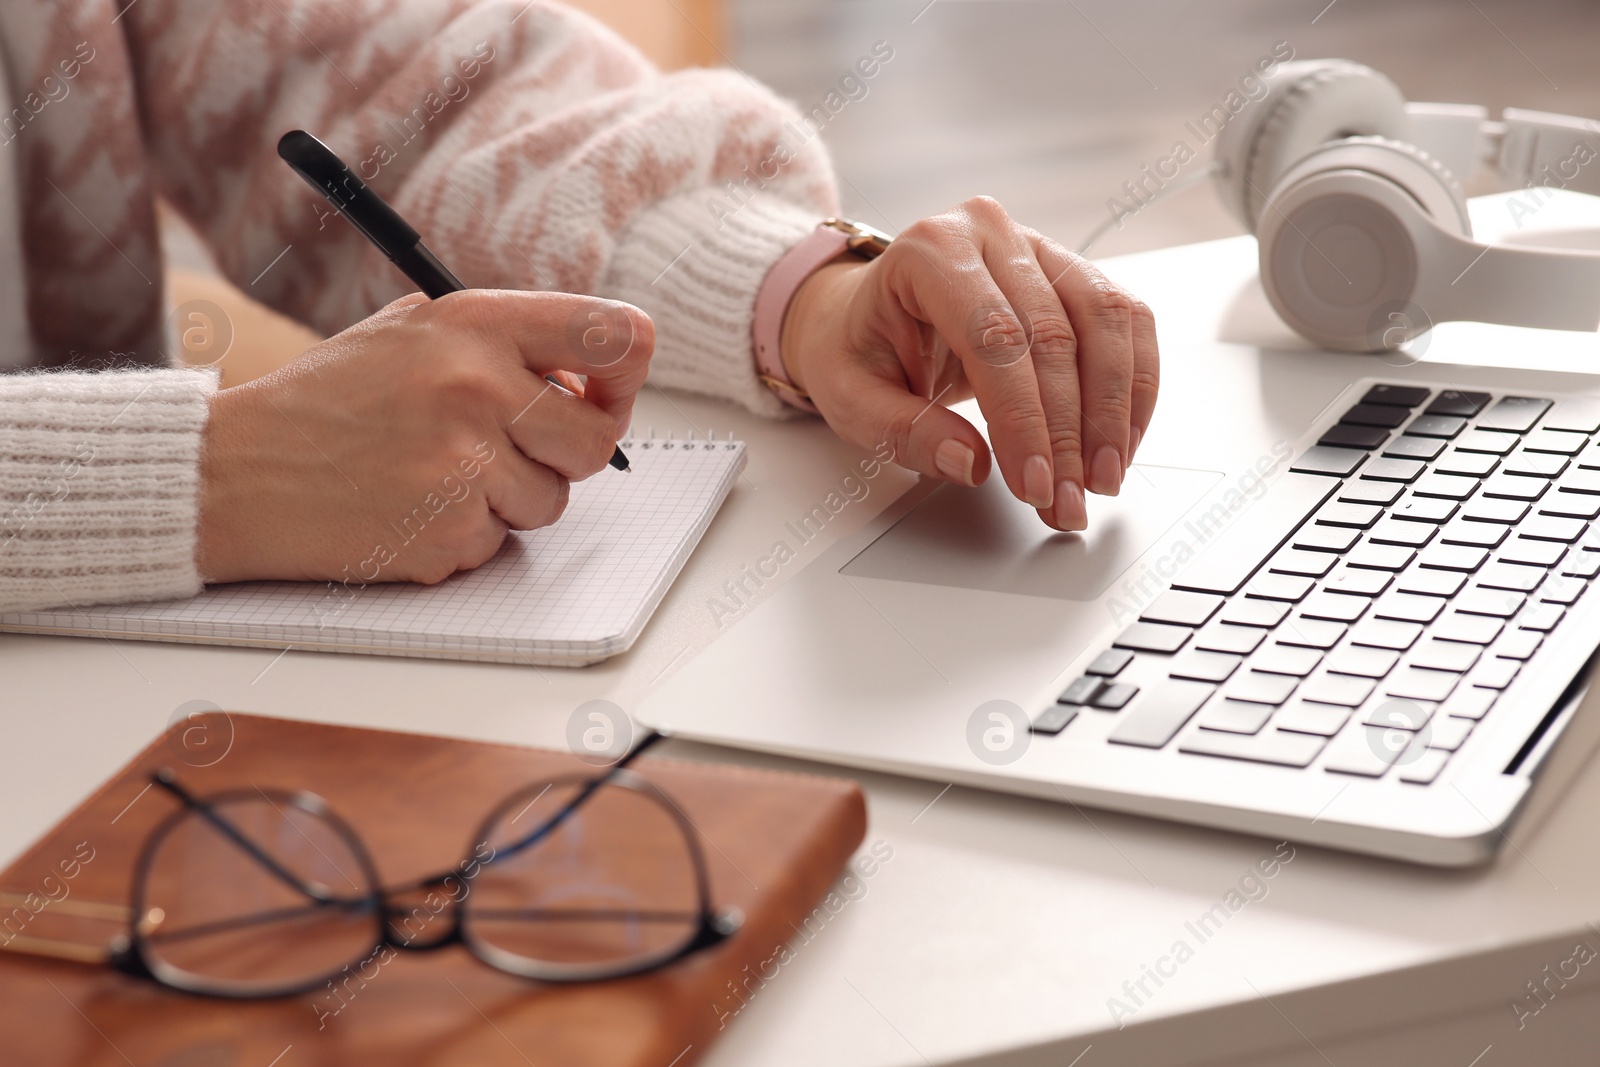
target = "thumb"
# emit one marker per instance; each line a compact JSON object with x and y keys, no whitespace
{"x":926,"y":437}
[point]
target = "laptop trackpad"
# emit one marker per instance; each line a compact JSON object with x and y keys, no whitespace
{"x":985,"y":538}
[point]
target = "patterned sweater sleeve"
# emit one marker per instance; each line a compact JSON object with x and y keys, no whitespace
{"x":98,"y":485}
{"x":531,"y":146}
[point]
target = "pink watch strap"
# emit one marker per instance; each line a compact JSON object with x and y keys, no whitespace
{"x":821,"y":246}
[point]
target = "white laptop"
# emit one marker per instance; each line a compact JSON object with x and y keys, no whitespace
{"x":1371,"y":634}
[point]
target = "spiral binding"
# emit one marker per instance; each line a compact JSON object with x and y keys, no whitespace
{"x":693,"y":442}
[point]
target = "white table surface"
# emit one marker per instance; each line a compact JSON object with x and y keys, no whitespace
{"x":1001,"y":926}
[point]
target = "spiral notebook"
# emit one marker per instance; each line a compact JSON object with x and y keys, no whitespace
{"x":571,"y":594}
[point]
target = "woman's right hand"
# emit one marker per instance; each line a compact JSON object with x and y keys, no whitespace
{"x":404,"y":448}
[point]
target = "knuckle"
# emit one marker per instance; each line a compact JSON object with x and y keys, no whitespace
{"x":997,"y":336}
{"x":986,"y":208}
{"x":1053,"y":335}
{"x":1066,"y":440}
{"x":1112,"y":307}
{"x":1146,"y":380}
{"x":560,"y":493}
{"x":896,"y":431}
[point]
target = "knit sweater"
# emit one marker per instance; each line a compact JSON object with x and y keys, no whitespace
{"x":533,"y":147}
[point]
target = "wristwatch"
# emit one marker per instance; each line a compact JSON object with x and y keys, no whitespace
{"x":831,"y":239}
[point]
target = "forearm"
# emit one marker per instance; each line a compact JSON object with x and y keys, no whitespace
{"x":99,"y":478}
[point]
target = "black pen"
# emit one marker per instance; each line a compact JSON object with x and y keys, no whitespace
{"x":378,"y":223}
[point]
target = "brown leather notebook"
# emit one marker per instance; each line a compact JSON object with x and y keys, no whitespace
{"x":773,"y":843}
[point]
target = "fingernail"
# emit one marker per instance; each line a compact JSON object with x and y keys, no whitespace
{"x":1036,"y":481}
{"x":1070,"y":512}
{"x":955,"y":461}
{"x":1134,"y":437}
{"x":1105,"y":475}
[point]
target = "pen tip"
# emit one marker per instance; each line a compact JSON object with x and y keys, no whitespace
{"x":627,"y":470}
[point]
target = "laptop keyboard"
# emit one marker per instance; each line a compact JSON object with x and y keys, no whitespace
{"x":1364,"y":615}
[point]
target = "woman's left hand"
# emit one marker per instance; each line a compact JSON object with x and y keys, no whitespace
{"x":970,"y":303}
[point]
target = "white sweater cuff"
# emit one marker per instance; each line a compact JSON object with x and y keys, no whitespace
{"x":99,"y":486}
{"x":696,"y":272}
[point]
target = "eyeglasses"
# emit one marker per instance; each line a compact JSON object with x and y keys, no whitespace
{"x":261,"y":893}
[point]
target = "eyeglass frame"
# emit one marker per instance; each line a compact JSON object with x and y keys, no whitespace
{"x":130,"y":953}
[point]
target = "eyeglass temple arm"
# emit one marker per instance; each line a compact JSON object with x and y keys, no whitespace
{"x":57,"y":948}
{"x":166,"y":780}
{"x":538,"y":833}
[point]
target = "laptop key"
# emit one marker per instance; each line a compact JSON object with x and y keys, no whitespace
{"x":1286,"y":659}
{"x":1449,"y":733}
{"x":1153,"y":637}
{"x":1445,"y":655}
{"x":1182,"y":608}
{"x":1408,"y":607}
{"x":1359,"y":581}
{"x":1497,"y":444}
{"x":1570,"y":505}
{"x":1458,"y":403}
{"x":1384,"y":633}
{"x":1425,"y":767}
{"x":1577,"y":415}
{"x":1535,"y":464}
{"x":1342,"y":689}
{"x":1287,"y":587}
{"x":1580,"y":481}
{"x":1425,"y":509}
{"x":1494,"y":673}
{"x":1365,"y":438}
{"x":1363,"y":751}
{"x":1486,"y":509}
{"x":1468,"y":464}
{"x":1445,"y":486}
{"x":1311,"y":633}
{"x":1393,"y":470}
{"x":1115,"y":696}
{"x":1363,"y":662}
{"x":1381,"y":557}
{"x":1581,"y":563}
{"x":1468,"y":702}
{"x":1324,"y":720}
{"x":1445,"y":557}
{"x":1314,"y":538}
{"x":1366,"y":491}
{"x":1431,"y":582}
{"x":1354,"y":516}
{"x":1234,"y":716}
{"x":1295,"y":561}
{"x":1498,"y":603}
{"x":1320,"y":459}
{"x":1562,"y":590}
{"x":1261,"y":688}
{"x":1541,"y":618}
{"x":1337,"y":607}
{"x":1550,"y":528}
{"x":1474,"y":534}
{"x":1392,"y":531}
{"x":1263,"y":613}
{"x":1375,"y":415}
{"x":1400,"y":713}
{"x":1400,"y":396}
{"x":1054,"y":719}
{"x":1559,"y":442}
{"x":1223,"y":637}
{"x":1518,"y":644}
{"x":1157,"y":717}
{"x":1410,"y":446}
{"x":1236,"y":553}
{"x":1532,"y":553}
{"x":1110,"y":663}
{"x":1517,"y":577}
{"x":1199,"y":665}
{"x":1516,"y":414}
{"x":1081,"y":691}
{"x":1473,"y":629}
{"x":1272,"y":746}
{"x":1421,"y":683}
{"x":1436,"y":426}
{"x":1515,"y":486}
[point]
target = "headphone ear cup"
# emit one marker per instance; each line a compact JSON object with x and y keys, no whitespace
{"x":1341,"y":241}
{"x":1308,"y":104}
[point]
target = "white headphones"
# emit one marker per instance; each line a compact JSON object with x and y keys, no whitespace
{"x":1363,"y":231}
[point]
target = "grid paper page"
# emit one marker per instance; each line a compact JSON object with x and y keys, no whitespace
{"x":566,"y":595}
